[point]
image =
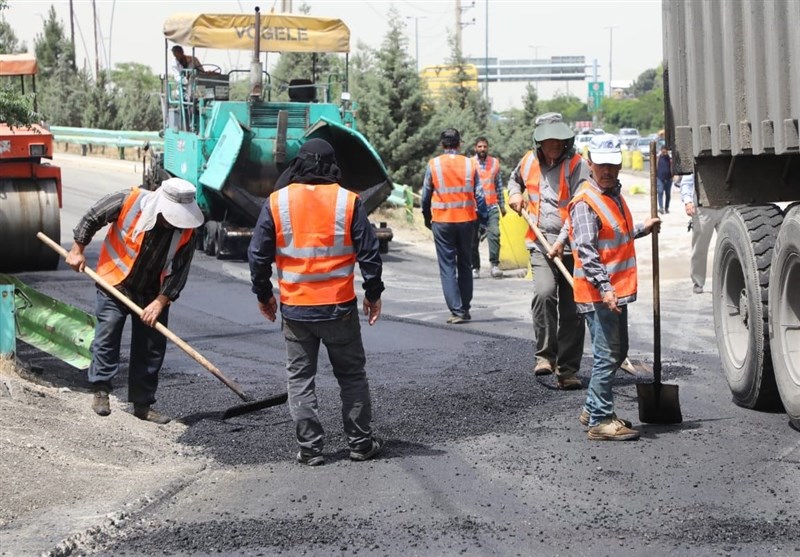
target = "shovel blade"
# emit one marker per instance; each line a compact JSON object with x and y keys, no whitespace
{"x":658,"y":403}
{"x":254,"y":406}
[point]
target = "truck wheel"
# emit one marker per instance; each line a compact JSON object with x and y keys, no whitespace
{"x":745,"y":241}
{"x":784,"y":313}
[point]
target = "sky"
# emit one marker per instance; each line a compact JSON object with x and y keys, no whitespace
{"x":131,"y":31}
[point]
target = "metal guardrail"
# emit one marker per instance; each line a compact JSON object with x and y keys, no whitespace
{"x":86,"y":137}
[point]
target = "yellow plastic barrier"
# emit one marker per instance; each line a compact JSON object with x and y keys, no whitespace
{"x":637,"y":161}
{"x":626,"y":159}
{"x":513,"y":253}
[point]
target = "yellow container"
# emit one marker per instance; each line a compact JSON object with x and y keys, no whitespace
{"x":627,"y":157}
{"x":513,"y":253}
{"x":637,"y":161}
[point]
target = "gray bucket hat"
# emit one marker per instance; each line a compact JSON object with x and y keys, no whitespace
{"x":551,"y":126}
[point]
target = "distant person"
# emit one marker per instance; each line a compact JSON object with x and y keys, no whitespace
{"x":452,"y":202}
{"x":704,"y":222}
{"x":664,"y":179}
{"x":602,"y":234}
{"x":183,"y":62}
{"x":315,"y":231}
{"x":543,"y":182}
{"x":492,"y":185}
{"x":146,"y":256}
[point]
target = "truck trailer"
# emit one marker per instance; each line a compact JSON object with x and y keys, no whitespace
{"x":732,"y":100}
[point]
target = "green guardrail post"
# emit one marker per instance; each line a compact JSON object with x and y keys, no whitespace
{"x":121,"y":153}
{"x":8,"y":343}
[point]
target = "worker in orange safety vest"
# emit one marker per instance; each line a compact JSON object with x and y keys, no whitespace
{"x":146,"y":255}
{"x":602,"y":234}
{"x":493,"y":187}
{"x":315,"y":231}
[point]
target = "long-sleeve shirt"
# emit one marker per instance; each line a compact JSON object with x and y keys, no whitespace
{"x":261,"y":255}
{"x":586,"y":225}
{"x":550,"y":223}
{"x":427,"y":193}
{"x":688,"y":195}
{"x":499,"y":185}
{"x":144,"y":282}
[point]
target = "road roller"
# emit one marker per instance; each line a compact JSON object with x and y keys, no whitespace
{"x":30,"y":189}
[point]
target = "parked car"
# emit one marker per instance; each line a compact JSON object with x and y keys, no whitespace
{"x":581,"y":140}
{"x":644,"y":145}
{"x":628,"y":132}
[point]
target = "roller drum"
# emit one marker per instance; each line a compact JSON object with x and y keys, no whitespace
{"x":28,"y":206}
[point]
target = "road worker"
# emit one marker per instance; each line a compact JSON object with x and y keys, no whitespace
{"x":492,"y":186}
{"x":315,"y":231}
{"x":452,"y":202}
{"x":146,"y":256}
{"x":543,"y":182}
{"x":602,"y":233}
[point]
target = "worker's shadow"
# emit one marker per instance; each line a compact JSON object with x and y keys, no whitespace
{"x":393,"y":448}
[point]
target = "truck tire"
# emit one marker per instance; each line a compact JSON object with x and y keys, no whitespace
{"x":745,"y":241}
{"x":784,"y":313}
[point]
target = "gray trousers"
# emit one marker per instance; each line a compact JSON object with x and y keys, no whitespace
{"x":557,"y":325}
{"x":704,"y":222}
{"x":342,"y":338}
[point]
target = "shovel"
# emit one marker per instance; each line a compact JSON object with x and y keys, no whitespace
{"x":658,"y":403}
{"x":626,"y":366}
{"x":250,"y":406}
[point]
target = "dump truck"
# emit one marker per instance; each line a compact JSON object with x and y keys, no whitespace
{"x":732,"y":100}
{"x":30,"y":188}
{"x":233,"y":151}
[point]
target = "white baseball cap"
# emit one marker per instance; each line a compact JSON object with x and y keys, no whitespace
{"x":605,"y":149}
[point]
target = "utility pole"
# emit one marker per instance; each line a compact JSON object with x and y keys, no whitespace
{"x":96,"y":55}
{"x":286,"y":6}
{"x":416,"y":19}
{"x":72,"y":33}
{"x":610,"y":53}
{"x":460,"y":25}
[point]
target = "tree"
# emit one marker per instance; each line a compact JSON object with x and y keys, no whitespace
{"x":647,"y":81}
{"x":15,"y":109}
{"x":392,"y":112}
{"x":64,"y":95}
{"x":51,"y":45}
{"x":101,"y":107}
{"x":569,"y":106}
{"x":137,"y":97}
{"x":9,"y":44}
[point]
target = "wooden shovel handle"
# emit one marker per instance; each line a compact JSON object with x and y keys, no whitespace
{"x":232,"y":385}
{"x":539,"y":236}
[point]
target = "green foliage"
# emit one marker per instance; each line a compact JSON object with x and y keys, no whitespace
{"x":101,"y":106}
{"x":570,"y":107}
{"x":529,"y":105}
{"x":645,"y":112}
{"x":63,"y":96}
{"x":647,"y":81}
{"x":16,"y":110}
{"x":51,"y":45}
{"x":137,"y":101}
{"x":391,"y":106}
{"x":9,"y":44}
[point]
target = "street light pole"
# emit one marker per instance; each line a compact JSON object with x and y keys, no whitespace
{"x":416,"y":19}
{"x":610,"y":53}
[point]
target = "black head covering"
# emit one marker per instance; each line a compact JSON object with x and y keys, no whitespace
{"x":314,"y":164}
{"x":450,"y":138}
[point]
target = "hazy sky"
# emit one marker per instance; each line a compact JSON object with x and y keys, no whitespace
{"x":131,"y":31}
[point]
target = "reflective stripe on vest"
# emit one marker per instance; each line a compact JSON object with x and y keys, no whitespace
{"x":120,"y":249}
{"x":488,"y":175}
{"x":314,"y":254}
{"x":453,"y":197}
{"x":614,"y":244}
{"x":532,"y":175}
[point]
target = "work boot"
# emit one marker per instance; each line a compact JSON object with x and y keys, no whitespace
{"x":373,"y":450}
{"x":543,"y":367}
{"x":476,"y":273}
{"x":697,"y":289}
{"x":100,"y":403}
{"x":310,"y":459}
{"x":144,"y":412}
{"x":456,"y":319}
{"x":584,"y":419}
{"x":496,"y":272}
{"x":569,"y":383}
{"x":612,"y":429}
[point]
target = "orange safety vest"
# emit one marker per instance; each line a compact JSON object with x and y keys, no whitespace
{"x":531,"y":173}
{"x":488,"y":176}
{"x":614,"y":244}
{"x":120,"y":249}
{"x":453,"y":197}
{"x":315,"y":257}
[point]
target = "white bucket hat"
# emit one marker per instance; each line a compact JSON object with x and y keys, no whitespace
{"x":605,"y":149}
{"x":176,"y":201}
